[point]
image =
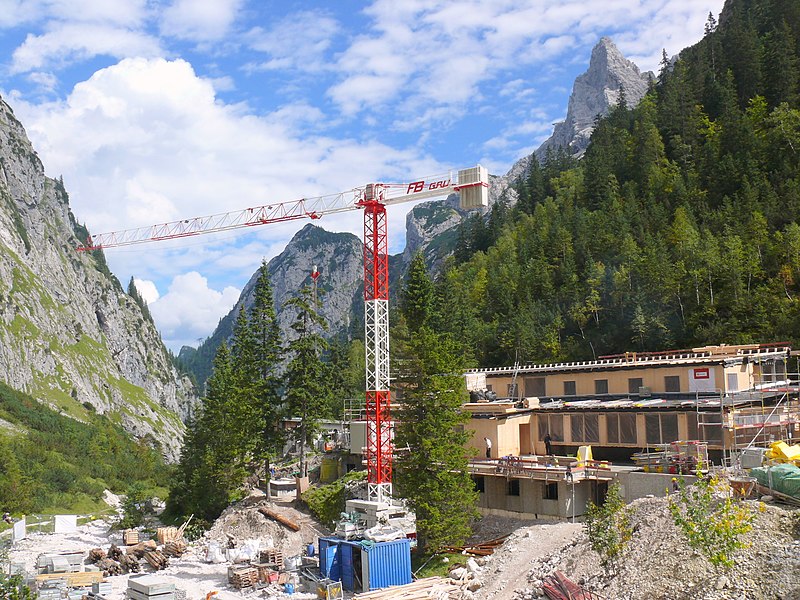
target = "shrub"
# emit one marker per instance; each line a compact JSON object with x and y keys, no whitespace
{"x":327,"y":502}
{"x":712,"y":522}
{"x":14,"y":588}
{"x":608,"y":526}
{"x":133,"y":507}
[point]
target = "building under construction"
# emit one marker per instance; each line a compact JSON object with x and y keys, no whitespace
{"x":668,"y":412}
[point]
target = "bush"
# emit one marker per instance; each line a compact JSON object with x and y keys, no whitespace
{"x":14,"y":588}
{"x":327,"y":502}
{"x":711,"y":521}
{"x":134,"y":507}
{"x":608,"y":526}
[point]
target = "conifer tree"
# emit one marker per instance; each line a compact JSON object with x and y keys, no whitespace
{"x":307,"y":390}
{"x":267,"y":356}
{"x":432,"y":474}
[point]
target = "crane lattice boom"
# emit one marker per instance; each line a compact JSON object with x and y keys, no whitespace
{"x":373,"y":198}
{"x":304,"y":208}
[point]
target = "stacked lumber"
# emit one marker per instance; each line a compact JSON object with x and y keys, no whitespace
{"x":421,"y":589}
{"x":166,"y":534}
{"x":175,"y":548}
{"x":96,"y":555}
{"x":279,"y":518}
{"x":272,"y":556}
{"x":242,"y":577}
{"x":114,"y":552}
{"x":129,"y":563}
{"x":156,"y":559}
{"x":558,"y":587}
{"x":109,"y":567}
{"x":480,"y":549}
{"x":139,"y":549}
{"x":130,"y":537}
{"x":150,"y":588}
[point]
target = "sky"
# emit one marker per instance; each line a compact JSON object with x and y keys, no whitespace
{"x":157,"y":110}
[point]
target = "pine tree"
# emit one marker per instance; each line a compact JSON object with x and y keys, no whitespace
{"x":432,"y":474}
{"x":267,"y":356}
{"x":307,"y":390}
{"x":133,"y":292}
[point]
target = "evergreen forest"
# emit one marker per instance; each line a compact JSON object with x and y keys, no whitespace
{"x":677,"y":228}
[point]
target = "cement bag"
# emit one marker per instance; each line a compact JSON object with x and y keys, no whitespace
{"x":291,"y":563}
{"x":214,"y":553}
{"x":249,"y":551}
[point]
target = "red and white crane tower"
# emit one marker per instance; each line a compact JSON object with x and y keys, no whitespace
{"x":472,"y":186}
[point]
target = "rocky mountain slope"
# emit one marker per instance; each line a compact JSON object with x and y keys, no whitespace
{"x":69,"y":335}
{"x":431,"y":227}
{"x":337,"y":256}
{"x":593,"y":93}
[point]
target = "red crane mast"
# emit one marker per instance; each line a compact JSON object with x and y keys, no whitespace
{"x":471,"y":184}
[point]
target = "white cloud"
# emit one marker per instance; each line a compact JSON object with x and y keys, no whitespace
{"x":440,"y":53}
{"x":147,"y":141}
{"x":298,"y":41}
{"x":190,"y":309}
{"x":200,"y":20}
{"x":147,"y":290}
{"x":64,"y":43}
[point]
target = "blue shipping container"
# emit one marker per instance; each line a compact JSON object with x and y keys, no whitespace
{"x":365,"y":566}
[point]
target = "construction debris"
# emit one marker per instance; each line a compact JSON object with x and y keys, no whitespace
{"x":175,"y":548}
{"x":558,"y":587}
{"x":479,"y":549}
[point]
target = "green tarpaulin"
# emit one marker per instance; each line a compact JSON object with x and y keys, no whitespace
{"x":781,"y":478}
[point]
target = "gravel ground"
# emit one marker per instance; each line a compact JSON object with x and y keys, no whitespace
{"x":657,"y":564}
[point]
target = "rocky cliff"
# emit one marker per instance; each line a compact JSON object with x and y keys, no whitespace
{"x":337,"y":256}
{"x":593,"y":93}
{"x":69,"y":335}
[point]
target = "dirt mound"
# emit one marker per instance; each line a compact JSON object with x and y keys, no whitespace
{"x":659,"y":564}
{"x":242,"y":521}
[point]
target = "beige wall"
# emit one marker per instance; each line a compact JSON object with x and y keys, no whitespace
{"x":651,"y":377}
{"x":503,"y":432}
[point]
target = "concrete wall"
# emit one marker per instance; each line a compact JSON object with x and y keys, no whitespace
{"x":531,"y":502}
{"x":636,"y":484}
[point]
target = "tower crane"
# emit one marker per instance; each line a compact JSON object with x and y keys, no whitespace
{"x":472,"y":186}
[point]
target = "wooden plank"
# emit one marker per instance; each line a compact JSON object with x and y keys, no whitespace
{"x":73,"y":579}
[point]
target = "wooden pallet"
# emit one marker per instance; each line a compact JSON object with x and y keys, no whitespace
{"x":242,"y":577}
{"x":422,"y":589}
{"x":274,"y":557}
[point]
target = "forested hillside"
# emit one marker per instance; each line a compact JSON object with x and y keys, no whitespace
{"x":678,"y":227}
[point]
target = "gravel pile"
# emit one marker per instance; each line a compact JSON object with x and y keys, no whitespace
{"x":658,"y":563}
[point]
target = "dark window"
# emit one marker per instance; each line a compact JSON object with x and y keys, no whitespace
{"x":601,"y":386}
{"x":535,"y":387}
{"x":576,"y":427}
{"x":627,"y":428}
{"x":612,"y":428}
{"x":552,"y":424}
{"x":652,"y":429}
{"x":591,"y":430}
{"x":513,"y":487}
{"x":672,"y":383}
{"x":634,"y":383}
{"x":479,"y":482}
{"x":569,"y":388}
{"x":669,"y":428}
{"x":780,"y":369}
{"x":488,"y":387}
{"x":691,"y":420}
{"x":550,"y":491}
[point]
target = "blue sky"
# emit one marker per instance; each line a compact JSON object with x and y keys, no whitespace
{"x":155,"y":110}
